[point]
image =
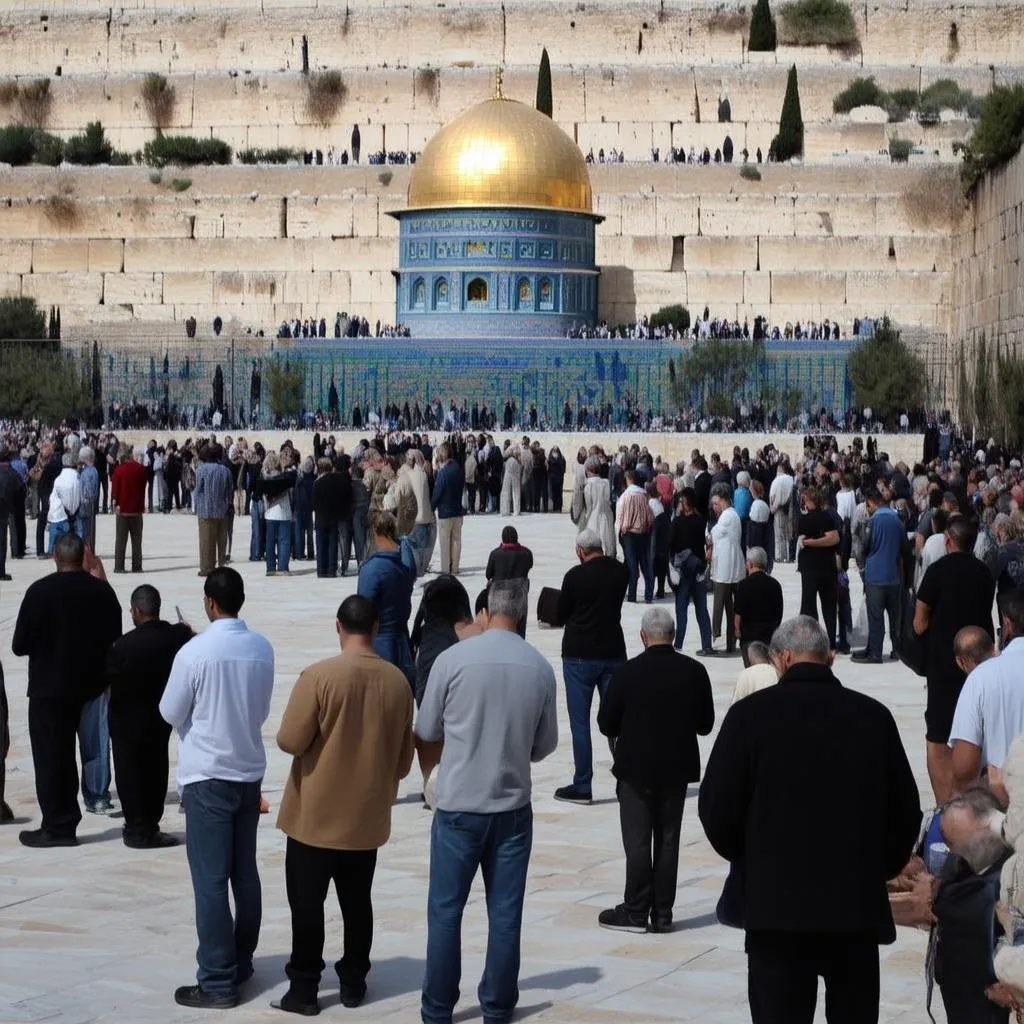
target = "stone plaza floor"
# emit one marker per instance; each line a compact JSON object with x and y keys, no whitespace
{"x":103,"y":933}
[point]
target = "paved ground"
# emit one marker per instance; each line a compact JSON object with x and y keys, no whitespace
{"x":102,"y":933}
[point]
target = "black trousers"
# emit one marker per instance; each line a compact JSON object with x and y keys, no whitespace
{"x":53,"y":732}
{"x":41,"y":527}
{"x":5,"y":523}
{"x":783,"y":970}
{"x":308,"y":872}
{"x":651,"y":820}
{"x":555,"y":486}
{"x":18,"y":532}
{"x":963,"y":1006}
{"x":140,"y":771}
{"x":823,"y":587}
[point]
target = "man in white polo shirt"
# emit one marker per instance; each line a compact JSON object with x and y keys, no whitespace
{"x":990,"y":710}
{"x":218,"y":697}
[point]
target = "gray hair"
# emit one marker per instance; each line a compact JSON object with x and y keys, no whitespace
{"x":742,"y":478}
{"x":508,"y":598}
{"x":723,"y":491}
{"x":593,"y":465}
{"x":67,"y":459}
{"x":658,"y":624}
{"x":758,"y":653}
{"x":588,"y":540}
{"x":85,"y":454}
{"x":757,"y":556}
{"x":800,"y":635}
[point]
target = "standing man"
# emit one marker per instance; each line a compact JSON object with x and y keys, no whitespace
{"x":46,"y":469}
{"x":883,"y":585}
{"x":66,"y":624}
{"x":215,"y":488}
{"x":816,"y":563}
{"x":773,"y":820}
{"x":590,"y":609}
{"x":424,"y":532}
{"x":634,"y":521}
{"x":89,"y":480}
{"x":780,"y":500}
{"x":137,"y":671}
{"x":447,"y":504}
{"x":510,"y":561}
{"x":491,"y":698}
{"x":759,"y":605}
{"x":218,"y":697}
{"x":656,"y":706}
{"x":349,"y":717}
{"x":956,"y":591}
{"x":128,"y":494}
{"x":12,"y":497}
{"x":65,"y":498}
{"x":726,"y":559}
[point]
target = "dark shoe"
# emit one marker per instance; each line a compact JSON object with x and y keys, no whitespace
{"x":661,"y":926}
{"x":291,"y":1003}
{"x":865,"y":658}
{"x":618,"y":919}
{"x":844,"y":649}
{"x":154,"y":841}
{"x":194,"y":996}
{"x":572,"y":795}
{"x":6,"y":577}
{"x":40,"y":839}
{"x":706,"y":652}
{"x":104,"y":807}
{"x":244,"y":973}
{"x":893,"y":656}
{"x":6,"y":814}
{"x":352,"y":995}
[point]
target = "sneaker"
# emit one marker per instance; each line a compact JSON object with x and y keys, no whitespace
{"x":194,"y":996}
{"x":618,"y":919}
{"x":100,"y":807}
{"x":41,"y":839}
{"x":865,"y":658}
{"x":572,"y":795}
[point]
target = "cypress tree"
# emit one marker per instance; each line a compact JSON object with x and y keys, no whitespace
{"x":790,"y":140}
{"x":545,"y":104}
{"x":762,"y":29}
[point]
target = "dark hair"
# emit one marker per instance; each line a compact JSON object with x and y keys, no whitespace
{"x":358,"y":615}
{"x":224,"y":586}
{"x":69,"y":549}
{"x":689,"y":495}
{"x":509,"y":535}
{"x":481,"y":602}
{"x":940,"y":520}
{"x":146,"y":600}
{"x":962,"y":533}
{"x":1011,"y":607}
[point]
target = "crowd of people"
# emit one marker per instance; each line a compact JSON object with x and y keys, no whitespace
{"x":938,"y":546}
{"x":344,"y":327}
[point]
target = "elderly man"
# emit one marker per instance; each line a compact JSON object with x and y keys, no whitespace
{"x":727,"y":568}
{"x":758,"y":606}
{"x":89,"y":480}
{"x":128,"y":493}
{"x":65,"y":498}
{"x":656,"y":706}
{"x":215,"y":488}
{"x":802,"y":923}
{"x":972,"y":646}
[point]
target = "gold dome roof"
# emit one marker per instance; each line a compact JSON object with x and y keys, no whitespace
{"x":501,"y":153}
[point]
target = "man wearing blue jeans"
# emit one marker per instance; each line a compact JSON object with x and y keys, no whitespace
{"x":218,"y":697}
{"x":491,"y":699}
{"x":590,"y":609}
{"x":883,"y":589}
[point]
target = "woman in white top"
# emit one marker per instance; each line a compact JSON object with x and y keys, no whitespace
{"x":275,"y":489}
{"x":596,"y":511}
{"x":512,"y":482}
{"x":579,"y":481}
{"x":727,"y":564}
{"x":760,"y":533}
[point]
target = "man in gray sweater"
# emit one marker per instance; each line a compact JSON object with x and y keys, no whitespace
{"x":491,"y":698}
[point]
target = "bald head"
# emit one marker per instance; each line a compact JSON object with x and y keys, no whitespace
{"x":971,"y":646}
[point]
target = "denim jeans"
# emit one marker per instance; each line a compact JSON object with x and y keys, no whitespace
{"x":94,"y":750}
{"x":220,"y":840}
{"x":882,"y":600}
{"x":279,"y":544}
{"x":460,"y":843}
{"x":258,"y":536}
{"x":696,"y":591}
{"x":423,"y":538}
{"x":327,"y":550}
{"x":581,"y":677}
{"x":53,"y":531}
{"x":637,"y":549}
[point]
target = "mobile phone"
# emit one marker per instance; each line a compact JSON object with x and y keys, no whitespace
{"x":181,"y":618}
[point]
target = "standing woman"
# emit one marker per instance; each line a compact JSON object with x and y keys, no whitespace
{"x":556,"y":477}
{"x":386,"y":578}
{"x":512,"y":482}
{"x":687,"y":544}
{"x":274,"y":487}
{"x":596,"y":511}
{"x":760,"y":531}
{"x":579,"y":482}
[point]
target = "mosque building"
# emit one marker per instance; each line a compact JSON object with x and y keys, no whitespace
{"x":497,"y":239}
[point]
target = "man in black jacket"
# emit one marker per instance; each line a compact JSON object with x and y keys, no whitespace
{"x":66,"y":624}
{"x":12,"y":497}
{"x":799,"y":771}
{"x":510,"y":561}
{"x":137,"y":670}
{"x":656,"y":706}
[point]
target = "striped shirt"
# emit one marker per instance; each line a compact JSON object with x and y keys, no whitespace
{"x":633,"y":512}
{"x":215,"y":488}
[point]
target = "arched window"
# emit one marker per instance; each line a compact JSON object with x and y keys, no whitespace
{"x":547,"y":293}
{"x":441,"y":293}
{"x":524,"y":294}
{"x":477,"y":290}
{"x":419,"y":294}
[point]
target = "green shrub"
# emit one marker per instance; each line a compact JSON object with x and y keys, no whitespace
{"x":790,"y":140}
{"x":16,"y":145}
{"x":385,"y":178}
{"x":186,"y":151}
{"x":998,"y":134}
{"x":818,"y":23}
{"x":34,"y":102}
{"x":155,"y":178}
{"x":49,"y":149}
{"x":281,"y":155}
{"x":326,"y":93}
{"x":763,"y":37}
{"x":750,"y":172}
{"x":861,"y":92}
{"x":900,"y":103}
{"x":158,"y":99}
{"x":677,"y":316}
{"x":90,"y":148}
{"x":121,"y":158}
{"x":180,"y":184}
{"x":945,"y":94}
{"x":899,"y":149}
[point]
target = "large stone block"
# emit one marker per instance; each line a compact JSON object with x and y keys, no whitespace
{"x":188,"y":288}
{"x":63,"y":289}
{"x":713,"y":290}
{"x":808,"y":288}
{"x":128,"y":289}
{"x":745,"y":215}
{"x":701,"y":253}
{"x":57,"y":257}
{"x":15,"y":256}
{"x":106,"y":254}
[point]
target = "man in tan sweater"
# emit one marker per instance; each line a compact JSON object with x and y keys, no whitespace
{"x":348,"y":726}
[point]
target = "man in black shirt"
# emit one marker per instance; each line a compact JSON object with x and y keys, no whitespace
{"x":956,"y":591}
{"x":758,"y":606}
{"x":66,"y":624}
{"x":816,"y":563}
{"x":137,"y":670}
{"x":510,"y":561}
{"x":656,"y":706}
{"x":590,"y":609}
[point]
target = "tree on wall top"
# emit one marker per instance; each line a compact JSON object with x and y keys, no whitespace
{"x":545,"y":102}
{"x":762,"y":29}
{"x":790,"y":140}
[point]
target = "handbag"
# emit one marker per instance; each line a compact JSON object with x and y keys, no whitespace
{"x":912,"y":649}
{"x":547,"y":607}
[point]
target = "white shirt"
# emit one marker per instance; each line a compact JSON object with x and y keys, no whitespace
{"x":990,"y":711}
{"x":781,"y":492}
{"x":65,"y":497}
{"x":727,"y":563}
{"x":759,"y":511}
{"x":846,"y":505}
{"x":218,"y":697}
{"x":754,"y":678}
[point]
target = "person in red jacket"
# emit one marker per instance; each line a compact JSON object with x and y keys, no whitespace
{"x":128,"y":490}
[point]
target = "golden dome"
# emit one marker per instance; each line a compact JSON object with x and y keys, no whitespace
{"x":501,"y":153}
